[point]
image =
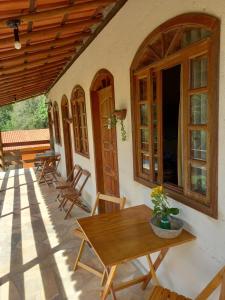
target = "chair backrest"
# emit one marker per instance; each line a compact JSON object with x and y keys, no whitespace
{"x":53,"y":161}
{"x":81,"y":180}
{"x":112,"y":199}
{"x":219,"y":279}
{"x":74,"y":174}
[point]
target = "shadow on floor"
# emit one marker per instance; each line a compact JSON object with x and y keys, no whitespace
{"x":38,"y":248}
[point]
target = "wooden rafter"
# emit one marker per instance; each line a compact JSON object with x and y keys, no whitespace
{"x":45,"y":34}
{"x":52,"y":35}
{"x":55,"y":44}
{"x":39,"y":62}
{"x":35,"y":56}
{"x":80,"y":7}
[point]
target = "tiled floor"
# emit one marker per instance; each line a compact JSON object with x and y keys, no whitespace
{"x":37,"y":247}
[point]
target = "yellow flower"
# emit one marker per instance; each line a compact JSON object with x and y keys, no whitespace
{"x":157,"y":191}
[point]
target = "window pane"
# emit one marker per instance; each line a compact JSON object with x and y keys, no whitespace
{"x":192,"y":35}
{"x":144,"y":114}
{"x":199,"y":108}
{"x":155,"y":132}
{"x":144,"y":139}
{"x":198,"y":144}
{"x":145,"y":163}
{"x":198,"y":180}
{"x":155,"y":169}
{"x":143,"y":89}
{"x":199,"y":72}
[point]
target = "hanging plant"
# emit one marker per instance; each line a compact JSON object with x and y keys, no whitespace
{"x":118,"y":116}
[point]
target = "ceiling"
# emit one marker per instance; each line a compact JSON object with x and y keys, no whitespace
{"x":53,"y":33}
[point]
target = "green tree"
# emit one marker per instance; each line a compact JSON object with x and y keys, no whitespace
{"x":5,"y":117}
{"x":28,"y":114}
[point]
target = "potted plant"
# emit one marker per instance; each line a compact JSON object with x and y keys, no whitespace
{"x":118,"y":116}
{"x":163,"y":223}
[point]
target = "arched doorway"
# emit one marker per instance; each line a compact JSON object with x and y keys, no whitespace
{"x":105,"y":142}
{"x":67,"y":135}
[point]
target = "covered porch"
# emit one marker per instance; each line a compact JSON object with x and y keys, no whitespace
{"x":135,"y":99}
{"x":38,"y":247}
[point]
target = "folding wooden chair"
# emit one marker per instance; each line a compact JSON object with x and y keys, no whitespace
{"x":160,"y":293}
{"x":73,"y":194}
{"x":71,"y":181}
{"x":49,"y":170}
{"x":78,"y":232}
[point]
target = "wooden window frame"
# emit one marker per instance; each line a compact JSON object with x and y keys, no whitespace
{"x":56,"y":121}
{"x":79,"y":116}
{"x":208,"y":46}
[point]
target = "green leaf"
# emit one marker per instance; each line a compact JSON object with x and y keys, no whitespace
{"x":174,"y":211}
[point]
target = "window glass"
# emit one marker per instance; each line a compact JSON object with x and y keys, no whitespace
{"x":144,"y":114}
{"x":199,"y":72}
{"x":192,"y":35}
{"x":145,"y":163}
{"x":198,"y":144}
{"x":198,"y":180}
{"x":199,"y":110}
{"x":143,"y":89}
{"x":145,"y":139}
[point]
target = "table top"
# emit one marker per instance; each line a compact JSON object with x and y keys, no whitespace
{"x":47,"y":154}
{"x":126,"y":235}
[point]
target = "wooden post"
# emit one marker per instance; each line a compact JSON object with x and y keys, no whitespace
{"x":2,"y":162}
{"x":50,"y":129}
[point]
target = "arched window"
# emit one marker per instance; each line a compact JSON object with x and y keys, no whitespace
{"x":174,"y":79}
{"x":56,"y":123}
{"x":80,"y":131}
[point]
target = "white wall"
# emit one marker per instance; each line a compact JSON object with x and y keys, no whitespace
{"x":186,"y":268}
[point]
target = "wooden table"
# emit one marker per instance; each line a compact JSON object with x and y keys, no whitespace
{"x":46,"y":155}
{"x":123,"y":236}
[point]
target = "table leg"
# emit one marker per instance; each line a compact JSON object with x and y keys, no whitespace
{"x":152,"y":269}
{"x":156,"y":265}
{"x":79,"y":254}
{"x":109,"y":282}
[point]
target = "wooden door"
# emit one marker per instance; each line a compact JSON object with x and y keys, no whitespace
{"x":108,"y":145}
{"x":67,"y":138}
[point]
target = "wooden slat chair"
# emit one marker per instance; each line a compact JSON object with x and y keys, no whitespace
{"x":49,"y":170}
{"x":73,"y":194}
{"x":71,"y":181}
{"x":160,"y":293}
{"x":78,"y":233}
{"x":101,"y":197}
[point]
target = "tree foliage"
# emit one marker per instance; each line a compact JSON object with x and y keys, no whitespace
{"x":28,"y":114}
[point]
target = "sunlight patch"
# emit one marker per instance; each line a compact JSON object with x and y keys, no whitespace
{"x":33,"y":284}
{"x":5,"y":244}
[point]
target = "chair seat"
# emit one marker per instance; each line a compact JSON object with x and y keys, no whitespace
{"x":62,"y":185}
{"x":160,"y":293}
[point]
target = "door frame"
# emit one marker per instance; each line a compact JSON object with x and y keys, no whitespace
{"x":102,"y":77}
{"x":66,"y":135}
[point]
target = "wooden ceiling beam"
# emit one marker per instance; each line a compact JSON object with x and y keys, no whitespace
{"x":57,"y":12}
{"x":11,"y":99}
{"x":20,"y":97}
{"x":62,"y":57}
{"x":56,"y":44}
{"x":27,"y":80}
{"x":46,"y":34}
{"x":23,"y":91}
{"x":26,"y":87}
{"x":35,"y":56}
{"x":39,"y":69}
{"x":29,"y":77}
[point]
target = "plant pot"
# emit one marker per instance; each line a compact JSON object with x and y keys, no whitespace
{"x":176,"y":226}
{"x":120,"y":114}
